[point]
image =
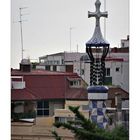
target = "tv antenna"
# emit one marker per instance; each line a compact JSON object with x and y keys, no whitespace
{"x":21,"y":30}
{"x":70,"y":29}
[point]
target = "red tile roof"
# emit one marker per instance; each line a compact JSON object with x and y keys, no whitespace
{"x":113,"y":90}
{"x":45,"y":85}
{"x":22,"y":94}
{"x":16,"y":72}
{"x":77,"y":93}
{"x":42,"y":84}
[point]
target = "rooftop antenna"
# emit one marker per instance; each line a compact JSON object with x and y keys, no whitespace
{"x":77,"y":48}
{"x":21,"y":31}
{"x":70,"y":29}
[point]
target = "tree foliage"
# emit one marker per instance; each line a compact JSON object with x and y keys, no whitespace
{"x":56,"y":135}
{"x":84,"y":129}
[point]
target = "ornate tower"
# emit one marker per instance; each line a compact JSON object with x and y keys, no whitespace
{"x":97,"y":48}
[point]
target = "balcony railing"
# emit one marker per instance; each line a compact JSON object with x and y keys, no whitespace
{"x":18,"y":116}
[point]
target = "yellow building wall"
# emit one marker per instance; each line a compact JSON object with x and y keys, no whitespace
{"x":67,"y":113}
{"x":75,"y":103}
{"x":46,"y":121}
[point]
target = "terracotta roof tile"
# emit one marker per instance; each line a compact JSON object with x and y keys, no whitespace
{"x":53,"y":85}
{"x":22,"y":94}
{"x":113,"y":90}
{"x":43,"y":85}
{"x":16,"y":72}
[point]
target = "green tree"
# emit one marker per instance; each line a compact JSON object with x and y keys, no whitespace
{"x":56,"y":135}
{"x":84,"y":129}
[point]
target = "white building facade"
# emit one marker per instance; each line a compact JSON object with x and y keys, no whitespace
{"x":63,"y":61}
{"x":117,"y":65}
{"x":117,"y":68}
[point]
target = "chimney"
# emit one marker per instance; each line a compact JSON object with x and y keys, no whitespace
{"x":25,"y":65}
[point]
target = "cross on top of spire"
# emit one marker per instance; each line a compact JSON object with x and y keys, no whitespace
{"x":97,"y":14}
{"x":97,"y":38}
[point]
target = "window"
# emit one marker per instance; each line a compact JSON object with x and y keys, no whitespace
{"x":123,"y":44}
{"x":75,"y":83}
{"x":108,"y":80}
{"x":82,"y":72}
{"x":47,"y":67}
{"x":42,"y":108}
{"x":69,"y":68}
{"x":50,"y":62}
{"x":71,"y":83}
{"x":117,"y":69}
{"x":54,"y":68}
{"x":39,"y":104}
{"x":62,"y":61}
{"x":42,"y":60}
{"x":107,"y":71}
{"x":57,"y":62}
{"x":47,"y":62}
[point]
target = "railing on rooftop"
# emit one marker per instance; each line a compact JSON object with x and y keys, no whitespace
{"x":18,"y":116}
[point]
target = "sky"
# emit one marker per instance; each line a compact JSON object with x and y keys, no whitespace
{"x":46,"y":26}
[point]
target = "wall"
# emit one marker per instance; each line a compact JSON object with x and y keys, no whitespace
{"x":40,"y":67}
{"x":45,"y":121}
{"x":124,"y":43}
{"x":67,"y":113}
{"x":29,"y":131}
{"x":75,"y":103}
{"x":118,"y":78}
{"x":125,"y":81}
{"x":86,"y":75}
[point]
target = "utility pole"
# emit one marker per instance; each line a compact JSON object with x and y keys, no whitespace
{"x":21,"y":31}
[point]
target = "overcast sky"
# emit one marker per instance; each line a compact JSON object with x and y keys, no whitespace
{"x":47,"y":31}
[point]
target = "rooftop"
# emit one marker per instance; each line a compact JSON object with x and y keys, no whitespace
{"x":41,"y":84}
{"x":16,"y":72}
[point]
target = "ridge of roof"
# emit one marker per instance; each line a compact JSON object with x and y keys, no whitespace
{"x":43,"y":72}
